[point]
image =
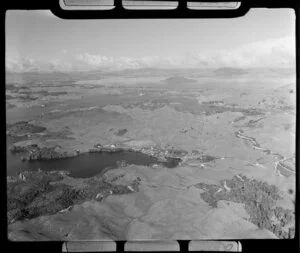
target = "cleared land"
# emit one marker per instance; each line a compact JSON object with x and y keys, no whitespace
{"x":234,"y":130}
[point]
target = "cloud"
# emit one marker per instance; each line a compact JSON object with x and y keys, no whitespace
{"x":94,"y":60}
{"x":115,"y":63}
{"x":31,"y":65}
{"x":20,"y":64}
{"x":269,"y":53}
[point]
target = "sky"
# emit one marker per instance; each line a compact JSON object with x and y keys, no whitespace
{"x":36,"y":40}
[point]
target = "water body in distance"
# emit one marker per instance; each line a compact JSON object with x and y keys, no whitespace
{"x":84,"y":165}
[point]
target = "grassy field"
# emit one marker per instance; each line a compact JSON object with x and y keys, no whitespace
{"x":198,"y":113}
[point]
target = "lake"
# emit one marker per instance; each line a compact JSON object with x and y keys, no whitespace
{"x":84,"y":165}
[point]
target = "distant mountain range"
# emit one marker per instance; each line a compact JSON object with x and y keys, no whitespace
{"x":178,"y":80}
{"x":173,"y":75}
{"x":230,"y":71}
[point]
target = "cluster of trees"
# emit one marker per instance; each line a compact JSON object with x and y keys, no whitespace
{"x":206,"y":158}
{"x":20,"y":149}
{"x":36,"y":196}
{"x":46,"y":153}
{"x":106,"y":187}
{"x":20,"y":194}
{"x":259,"y":199}
{"x":23,"y":127}
{"x":121,"y":132}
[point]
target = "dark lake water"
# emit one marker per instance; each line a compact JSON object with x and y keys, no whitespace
{"x":84,"y":165}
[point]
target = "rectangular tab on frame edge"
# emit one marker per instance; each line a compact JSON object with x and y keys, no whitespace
{"x":89,"y":246}
{"x":159,"y":246}
{"x":233,"y":246}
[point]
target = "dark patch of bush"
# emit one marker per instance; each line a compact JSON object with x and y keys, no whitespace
{"x":121,"y":132}
{"x":206,"y":158}
{"x":45,"y":153}
{"x":120,"y":189}
{"x":70,"y":197}
{"x":36,"y":196}
{"x":240,"y":118}
{"x":259,"y":199}
{"x":21,"y":194}
{"x":20,"y":149}
{"x":177,"y":152}
{"x":23,"y":127}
